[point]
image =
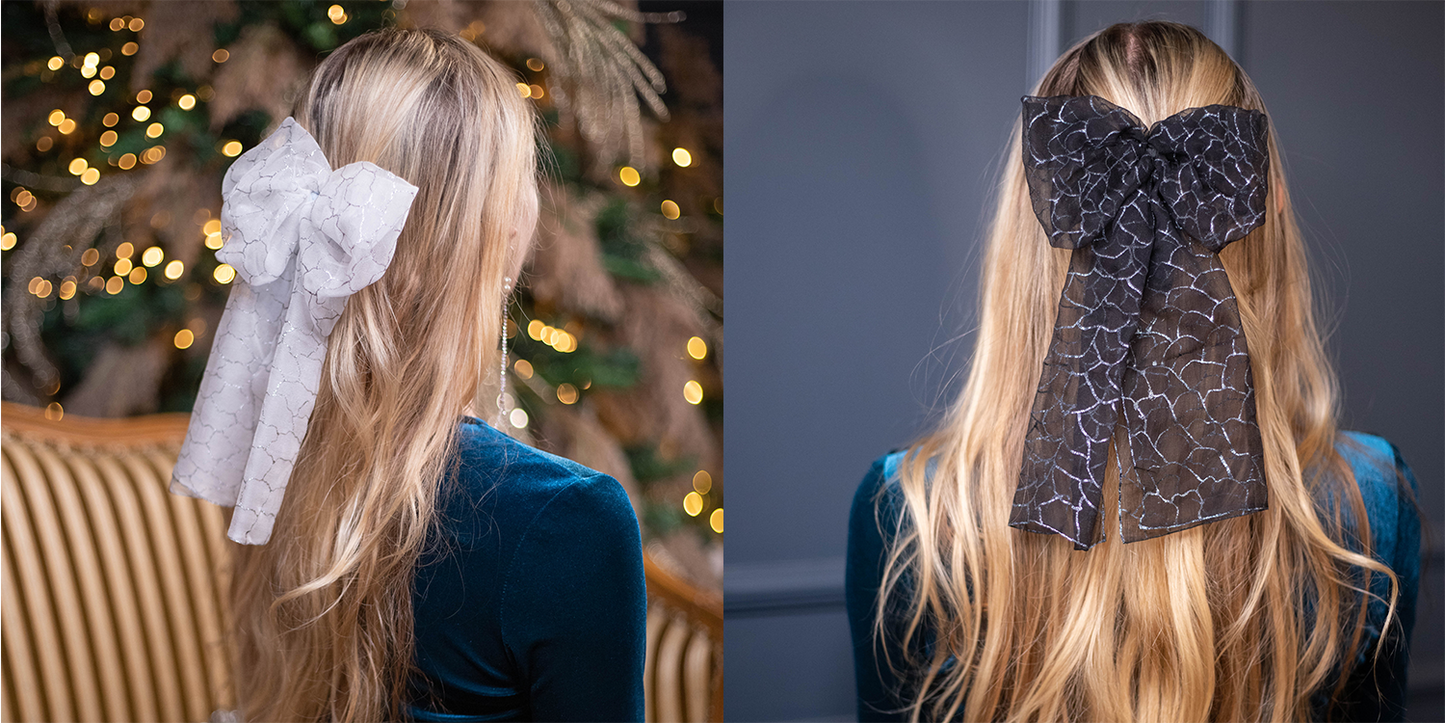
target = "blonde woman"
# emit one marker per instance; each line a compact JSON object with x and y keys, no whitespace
{"x":420,"y":564}
{"x":1140,"y":508}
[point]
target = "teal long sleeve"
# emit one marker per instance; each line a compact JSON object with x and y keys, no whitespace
{"x":530,"y":602}
{"x":1373,"y":692}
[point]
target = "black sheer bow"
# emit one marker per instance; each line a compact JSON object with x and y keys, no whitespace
{"x":1147,"y":321}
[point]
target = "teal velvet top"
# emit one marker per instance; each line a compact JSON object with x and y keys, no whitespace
{"x":1373,"y":692}
{"x":530,"y":601}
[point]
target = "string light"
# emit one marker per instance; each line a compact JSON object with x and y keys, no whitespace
{"x":692,"y":504}
{"x":629,"y":176}
{"x":174,"y":269}
{"x":566,"y":393}
{"x":716,"y":520}
{"x":696,"y":348}
{"x":681,"y":157}
{"x":692,"y":392}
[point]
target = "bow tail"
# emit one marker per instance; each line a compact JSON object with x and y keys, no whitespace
{"x":1194,"y":449}
{"x":1066,"y":449}
{"x":281,"y":427}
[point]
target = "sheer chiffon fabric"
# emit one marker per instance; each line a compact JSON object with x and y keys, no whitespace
{"x":1147,"y":325}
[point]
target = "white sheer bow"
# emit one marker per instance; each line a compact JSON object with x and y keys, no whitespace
{"x":302,"y":239}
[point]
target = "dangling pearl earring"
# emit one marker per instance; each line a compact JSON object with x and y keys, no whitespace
{"x":502,"y":377}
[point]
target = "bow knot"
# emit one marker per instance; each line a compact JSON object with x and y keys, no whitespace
{"x":1147,"y":321}
{"x":302,"y":238}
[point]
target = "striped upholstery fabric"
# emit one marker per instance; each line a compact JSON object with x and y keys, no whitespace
{"x":114,"y":604}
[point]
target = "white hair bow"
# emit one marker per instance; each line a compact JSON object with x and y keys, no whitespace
{"x":302,"y":239}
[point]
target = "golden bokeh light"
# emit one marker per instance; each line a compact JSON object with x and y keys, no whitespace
{"x":224,"y":273}
{"x":144,"y":96}
{"x":566,"y":393}
{"x":336,"y":14}
{"x":117,"y":24}
{"x":221,"y":55}
{"x":55,"y":63}
{"x":123,"y":267}
{"x":77,"y":166}
{"x":214,"y":241}
{"x":126,"y":162}
{"x":152,"y":256}
{"x":137,"y":275}
{"x":629,"y":176}
{"x":140,"y":113}
{"x":113,"y":285}
{"x":186,"y":102}
{"x":696,"y":348}
{"x":54,"y":412}
{"x":716,"y":520}
{"x":129,"y":48}
{"x":681,"y":157}
{"x":692,"y":504}
{"x":136,"y":24}
{"x":108,"y":139}
{"x":212,"y":226}
{"x":184,"y":339}
{"x":534,"y":329}
{"x":96,"y":87}
{"x":518,"y":418}
{"x":90,"y":257}
{"x":692,"y":392}
{"x":66,"y":127}
{"x":231,"y":148}
{"x":44,"y":143}
{"x":155,"y":130}
{"x":670,"y":210}
{"x":107,"y":72}
{"x":525,"y":90}
{"x":55,"y":117}
{"x":174,"y":269}
{"x":67,"y":289}
{"x":536,"y":91}
{"x":702,"y":482}
{"x":125,"y":250}
{"x":7,"y":241}
{"x":523,"y":368}
{"x":90,"y":176}
{"x":535,"y":65}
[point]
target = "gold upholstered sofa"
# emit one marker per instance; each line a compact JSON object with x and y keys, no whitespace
{"x":113,"y":590}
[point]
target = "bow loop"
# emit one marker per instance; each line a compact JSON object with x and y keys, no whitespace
{"x":1216,"y":191}
{"x":1082,"y":161}
{"x":266,"y":192}
{"x":350,"y":235}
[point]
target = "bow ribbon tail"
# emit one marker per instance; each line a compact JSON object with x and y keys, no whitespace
{"x":284,"y":418}
{"x":1195,"y":451}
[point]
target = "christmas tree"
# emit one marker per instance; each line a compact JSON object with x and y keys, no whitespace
{"x":121,"y":117}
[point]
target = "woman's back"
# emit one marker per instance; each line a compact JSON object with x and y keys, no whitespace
{"x":530,"y":601}
{"x":1374,"y":691}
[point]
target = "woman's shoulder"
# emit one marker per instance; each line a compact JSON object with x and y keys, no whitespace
{"x":1387,"y":488}
{"x":518,"y":484}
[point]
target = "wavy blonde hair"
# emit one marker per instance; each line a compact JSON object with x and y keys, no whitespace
{"x":323,"y":611}
{"x":1204,"y":624}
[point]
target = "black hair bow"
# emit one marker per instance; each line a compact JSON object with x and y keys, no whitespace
{"x":1147,"y":321}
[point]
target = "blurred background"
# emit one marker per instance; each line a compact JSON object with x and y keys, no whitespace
{"x":864,"y":140}
{"x":121,"y":117}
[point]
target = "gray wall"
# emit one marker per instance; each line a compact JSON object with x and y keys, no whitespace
{"x":863,"y":140}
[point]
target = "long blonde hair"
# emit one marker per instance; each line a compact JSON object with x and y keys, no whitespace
{"x":1204,"y":624}
{"x":323,"y":611}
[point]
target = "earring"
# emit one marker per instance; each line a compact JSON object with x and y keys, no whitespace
{"x":502,"y":376}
